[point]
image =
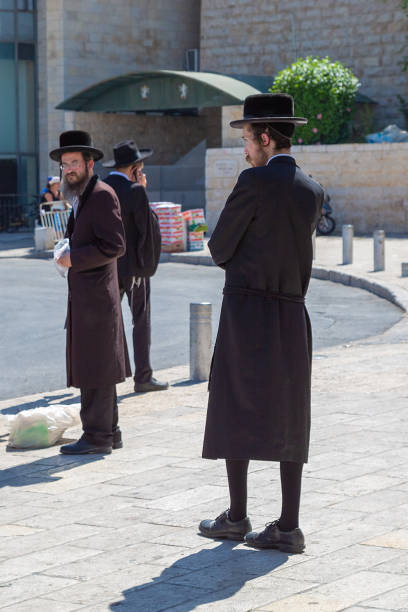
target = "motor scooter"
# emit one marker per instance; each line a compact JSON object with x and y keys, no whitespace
{"x":326,"y":224}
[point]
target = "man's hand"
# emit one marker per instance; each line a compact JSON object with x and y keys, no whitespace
{"x":65,"y":260}
{"x":141,"y":178}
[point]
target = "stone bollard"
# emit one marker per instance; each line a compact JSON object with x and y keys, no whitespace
{"x":348,"y":235}
{"x":379,"y":250}
{"x":404,"y":269}
{"x":200,"y":341}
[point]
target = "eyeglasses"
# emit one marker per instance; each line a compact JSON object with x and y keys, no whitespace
{"x":74,"y":165}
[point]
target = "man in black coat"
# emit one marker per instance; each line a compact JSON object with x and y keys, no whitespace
{"x":259,"y":389}
{"x":96,"y":351}
{"x":142,"y":253}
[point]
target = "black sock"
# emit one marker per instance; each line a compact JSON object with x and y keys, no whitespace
{"x":237,"y":471}
{"x":291,"y":482}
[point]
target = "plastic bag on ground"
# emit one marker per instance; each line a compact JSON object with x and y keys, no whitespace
{"x":61,"y":248}
{"x":41,"y":427}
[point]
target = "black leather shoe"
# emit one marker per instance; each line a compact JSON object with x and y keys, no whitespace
{"x":117,"y":440}
{"x":272,"y":537}
{"x":150,"y":385}
{"x":223,"y":527}
{"x":83,"y":447}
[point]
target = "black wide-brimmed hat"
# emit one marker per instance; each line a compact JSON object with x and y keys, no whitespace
{"x":73,"y":141}
{"x":126,"y":153}
{"x":269,"y":108}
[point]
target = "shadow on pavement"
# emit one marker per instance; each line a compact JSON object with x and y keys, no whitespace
{"x":42,"y":470}
{"x":206,"y":576}
{"x":44,"y":401}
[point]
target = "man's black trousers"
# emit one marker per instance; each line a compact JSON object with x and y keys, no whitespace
{"x":99,"y":414}
{"x":139,"y":303}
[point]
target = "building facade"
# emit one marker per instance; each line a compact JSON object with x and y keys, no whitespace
{"x":18,"y":107}
{"x":66,"y":46}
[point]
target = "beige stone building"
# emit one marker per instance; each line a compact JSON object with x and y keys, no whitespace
{"x":67,"y":46}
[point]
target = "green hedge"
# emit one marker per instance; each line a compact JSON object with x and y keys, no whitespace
{"x":324,"y":93}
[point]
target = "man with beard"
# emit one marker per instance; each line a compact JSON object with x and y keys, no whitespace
{"x":143,"y":243}
{"x":259,"y":401}
{"x":96,"y":351}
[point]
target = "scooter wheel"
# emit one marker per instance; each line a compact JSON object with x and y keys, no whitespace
{"x":325,"y":225}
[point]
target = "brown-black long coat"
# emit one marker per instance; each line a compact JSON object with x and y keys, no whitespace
{"x":96,"y":346}
{"x":259,"y":390}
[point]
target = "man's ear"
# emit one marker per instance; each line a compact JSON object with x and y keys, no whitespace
{"x":91,"y":164}
{"x":265,"y":139}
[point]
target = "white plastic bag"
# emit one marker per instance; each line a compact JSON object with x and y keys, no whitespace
{"x":61,"y":248}
{"x":41,"y":427}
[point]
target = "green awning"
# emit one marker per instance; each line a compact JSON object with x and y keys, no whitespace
{"x":160,"y":91}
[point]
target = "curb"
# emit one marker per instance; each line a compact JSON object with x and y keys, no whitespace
{"x":388,"y":291}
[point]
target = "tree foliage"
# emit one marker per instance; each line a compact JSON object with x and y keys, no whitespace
{"x":324,"y":93}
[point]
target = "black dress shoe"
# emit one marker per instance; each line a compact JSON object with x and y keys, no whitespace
{"x":272,"y":537}
{"x":83,"y":447}
{"x":223,"y":527}
{"x":117,"y":440}
{"x":150,"y":385}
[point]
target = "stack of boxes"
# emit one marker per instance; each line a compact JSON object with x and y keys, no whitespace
{"x":180,"y":231}
{"x":171,"y":226}
{"x":196,"y":227}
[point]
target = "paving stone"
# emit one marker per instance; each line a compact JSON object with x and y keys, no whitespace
{"x":339,"y":563}
{"x":244,"y":599}
{"x":392,"y":539}
{"x":41,"y":604}
{"x":23,"y":565}
{"x":141,"y":587}
{"x":44,"y":539}
{"x":30,"y":587}
{"x":397,"y":599}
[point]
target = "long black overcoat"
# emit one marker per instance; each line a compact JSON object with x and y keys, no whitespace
{"x":259,"y":389}
{"x":96,"y":347}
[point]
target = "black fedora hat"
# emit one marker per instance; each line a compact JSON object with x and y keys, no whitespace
{"x":73,"y":141}
{"x":126,"y":153}
{"x":269,"y":108}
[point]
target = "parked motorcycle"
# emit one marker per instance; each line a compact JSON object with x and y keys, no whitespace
{"x":326,"y":224}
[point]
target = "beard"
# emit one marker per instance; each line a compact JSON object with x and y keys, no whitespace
{"x":73,"y":184}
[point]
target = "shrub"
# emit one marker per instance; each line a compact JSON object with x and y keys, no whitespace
{"x":324,"y":93}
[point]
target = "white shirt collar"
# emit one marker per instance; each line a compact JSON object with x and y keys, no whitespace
{"x":279,"y":155}
{"x":120,"y":174}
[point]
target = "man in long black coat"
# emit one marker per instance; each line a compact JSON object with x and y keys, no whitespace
{"x":96,"y":352}
{"x":140,"y":261}
{"x":259,"y":390}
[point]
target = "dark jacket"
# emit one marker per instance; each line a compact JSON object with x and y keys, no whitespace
{"x":142,"y":246}
{"x":96,"y":347}
{"x":259,"y":402}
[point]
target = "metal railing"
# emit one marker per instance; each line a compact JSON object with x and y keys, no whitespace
{"x":17,"y":211}
{"x":56,"y":221}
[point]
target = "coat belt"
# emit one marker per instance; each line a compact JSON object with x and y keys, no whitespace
{"x":264,"y":293}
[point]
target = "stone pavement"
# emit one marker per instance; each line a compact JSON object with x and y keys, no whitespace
{"x":120,"y":532}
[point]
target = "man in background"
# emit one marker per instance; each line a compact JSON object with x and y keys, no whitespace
{"x":143,"y":244}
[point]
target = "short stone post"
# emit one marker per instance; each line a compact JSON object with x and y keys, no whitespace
{"x":200,"y":341}
{"x":404,"y":269}
{"x":379,"y":250}
{"x":348,"y":235}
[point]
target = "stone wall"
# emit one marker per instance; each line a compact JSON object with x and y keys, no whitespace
{"x":170,"y":137}
{"x":81,"y":43}
{"x":368,"y":183}
{"x":247,"y":37}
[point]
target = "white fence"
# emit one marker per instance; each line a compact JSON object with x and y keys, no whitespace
{"x":56,"y":221}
